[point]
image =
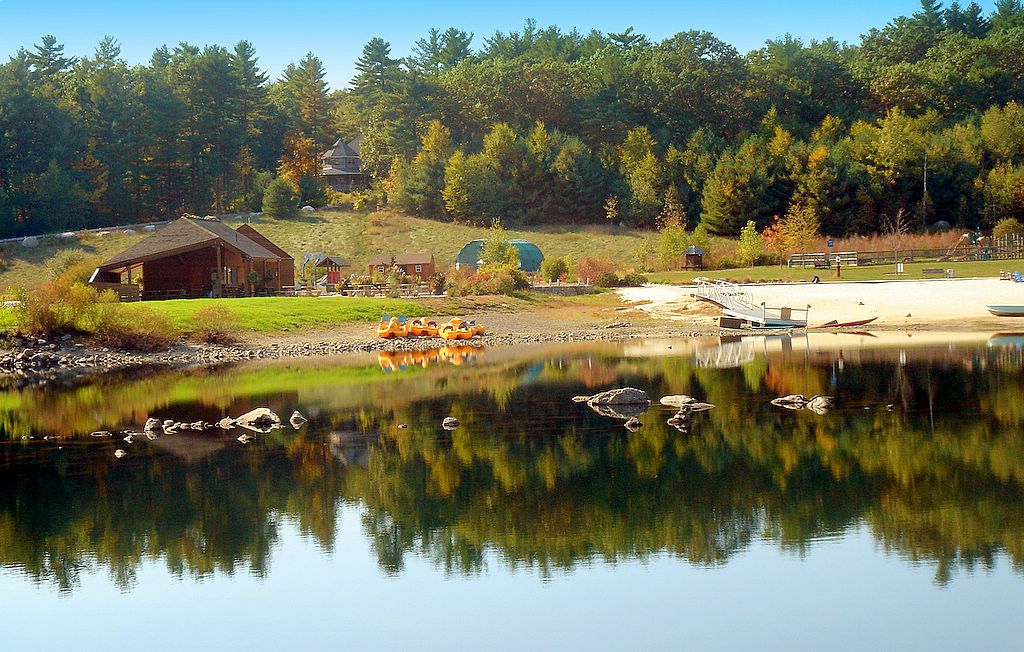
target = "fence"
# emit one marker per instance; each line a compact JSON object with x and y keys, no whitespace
{"x":1003,"y":249}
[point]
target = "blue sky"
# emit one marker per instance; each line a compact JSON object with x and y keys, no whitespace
{"x":283,"y":32}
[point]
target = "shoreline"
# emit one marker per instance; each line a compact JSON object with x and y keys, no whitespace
{"x":648,"y":312}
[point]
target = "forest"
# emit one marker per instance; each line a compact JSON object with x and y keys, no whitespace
{"x":923,"y":118}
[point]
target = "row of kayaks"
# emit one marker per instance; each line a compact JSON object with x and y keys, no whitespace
{"x":453,"y":329}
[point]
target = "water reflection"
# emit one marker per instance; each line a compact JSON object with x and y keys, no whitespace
{"x":925,"y":450}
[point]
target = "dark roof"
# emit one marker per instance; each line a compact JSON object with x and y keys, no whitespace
{"x":402,"y":259}
{"x":693,"y":249}
{"x":337,"y":261}
{"x":187,"y":234}
{"x":341,"y":148}
{"x":262,"y":240}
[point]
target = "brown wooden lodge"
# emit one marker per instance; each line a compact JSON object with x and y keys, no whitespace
{"x":415,"y":265}
{"x":199,"y":257}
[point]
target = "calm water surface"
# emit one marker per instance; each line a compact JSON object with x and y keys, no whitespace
{"x":893,"y":522}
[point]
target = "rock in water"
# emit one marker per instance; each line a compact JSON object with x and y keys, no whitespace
{"x":245,"y":439}
{"x":153,"y":425}
{"x":790,"y":401}
{"x":227,"y":423}
{"x":119,"y":453}
{"x":297,"y":420}
{"x":621,"y":396}
{"x":820,"y":404}
{"x":101,"y":433}
{"x":696,"y":406}
{"x":677,"y":400}
{"x":403,"y":426}
{"x":633,"y":424}
{"x":580,"y":399}
{"x":450,"y":423}
{"x":260,"y":420}
{"x":619,"y":411}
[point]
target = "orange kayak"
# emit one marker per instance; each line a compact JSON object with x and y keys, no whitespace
{"x":392,"y":328}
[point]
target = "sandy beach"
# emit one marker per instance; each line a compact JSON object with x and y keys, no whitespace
{"x":940,"y":304}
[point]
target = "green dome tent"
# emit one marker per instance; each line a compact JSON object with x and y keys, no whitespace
{"x":530,"y":256}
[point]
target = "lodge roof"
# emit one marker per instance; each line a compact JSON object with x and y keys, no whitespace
{"x":337,"y":261}
{"x":262,"y":241}
{"x":341,"y":148}
{"x":402,"y":259}
{"x":186,"y":234}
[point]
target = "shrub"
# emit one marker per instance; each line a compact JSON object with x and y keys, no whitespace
{"x":501,"y":281}
{"x":215,"y":324}
{"x":589,"y":268}
{"x":134,"y":328}
{"x":554,"y":269}
{"x":438,"y":283}
{"x":279,"y":199}
{"x":606,"y":280}
{"x":1007,"y":226}
{"x":633,"y":280}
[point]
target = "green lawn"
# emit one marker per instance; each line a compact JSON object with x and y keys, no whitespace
{"x":275,"y":314}
{"x":987,"y":268}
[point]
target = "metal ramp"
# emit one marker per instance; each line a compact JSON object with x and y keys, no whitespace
{"x":738,"y":303}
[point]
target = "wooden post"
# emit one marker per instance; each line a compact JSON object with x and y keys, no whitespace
{"x":218,"y":286}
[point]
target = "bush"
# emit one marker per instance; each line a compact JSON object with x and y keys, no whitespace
{"x":134,"y":328}
{"x":633,"y":280}
{"x":215,"y":324}
{"x":589,"y":268}
{"x":607,"y":280}
{"x":64,"y":259}
{"x":554,"y":269}
{"x":1007,"y":226}
{"x":502,"y":281}
{"x":279,"y":199}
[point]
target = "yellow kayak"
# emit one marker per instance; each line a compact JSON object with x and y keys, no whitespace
{"x":392,"y":328}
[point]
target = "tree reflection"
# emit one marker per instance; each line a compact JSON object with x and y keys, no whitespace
{"x":536,"y":481}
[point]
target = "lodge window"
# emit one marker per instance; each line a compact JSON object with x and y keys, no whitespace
{"x":419,"y":268}
{"x":230,"y":276}
{"x":380,"y":269}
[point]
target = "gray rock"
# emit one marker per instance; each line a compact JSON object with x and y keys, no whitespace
{"x":119,"y":453}
{"x":101,"y":433}
{"x":153,"y":425}
{"x":620,"y":396}
{"x":790,"y":401}
{"x":260,"y":420}
{"x":820,"y":404}
{"x":580,"y":399}
{"x":690,"y":408}
{"x":245,"y":438}
{"x":624,"y":412}
{"x":677,"y":400}
{"x":296,"y":420}
{"x":450,"y":423}
{"x":633,"y":424}
{"x":307,"y":209}
{"x":227,"y":423}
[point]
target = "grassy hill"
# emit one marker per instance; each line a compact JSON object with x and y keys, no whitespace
{"x":353,"y":235}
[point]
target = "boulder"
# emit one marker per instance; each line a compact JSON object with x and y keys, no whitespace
{"x":790,"y":401}
{"x":101,"y":433}
{"x":296,"y":420}
{"x":624,"y":412}
{"x":307,"y":209}
{"x":30,"y":242}
{"x":119,"y":453}
{"x":227,"y":423}
{"x":153,"y":425}
{"x":621,"y":396}
{"x":450,"y":423}
{"x":677,"y":400}
{"x":580,"y":399}
{"x":820,"y":404}
{"x":633,"y":424}
{"x":260,"y":420}
{"x":696,"y":406}
{"x":245,"y":438}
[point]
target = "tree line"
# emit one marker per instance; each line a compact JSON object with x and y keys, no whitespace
{"x":540,"y":125}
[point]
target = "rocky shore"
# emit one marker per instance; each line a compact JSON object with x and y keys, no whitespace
{"x":29,"y":361}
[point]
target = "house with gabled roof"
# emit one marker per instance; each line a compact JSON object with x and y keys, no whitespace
{"x":342,"y":166}
{"x":417,"y":265}
{"x":200,"y":257}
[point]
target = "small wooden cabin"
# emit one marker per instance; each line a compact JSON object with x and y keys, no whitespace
{"x":335,"y":267}
{"x":416,"y":265}
{"x":693,"y":258}
{"x":199,"y":257}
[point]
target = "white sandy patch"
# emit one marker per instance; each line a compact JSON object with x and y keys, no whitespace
{"x":894,"y":303}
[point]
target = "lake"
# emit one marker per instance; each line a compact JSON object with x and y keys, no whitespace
{"x":895,"y":521}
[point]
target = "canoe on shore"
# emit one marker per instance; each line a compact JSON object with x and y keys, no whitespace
{"x":1006,"y":311}
{"x":846,"y":324}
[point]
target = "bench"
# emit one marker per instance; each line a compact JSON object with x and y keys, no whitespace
{"x":934,"y":271}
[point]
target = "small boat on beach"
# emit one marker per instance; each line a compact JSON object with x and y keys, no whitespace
{"x":846,"y":324}
{"x":1006,"y":311}
{"x":457,"y":329}
{"x":421,"y":327}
